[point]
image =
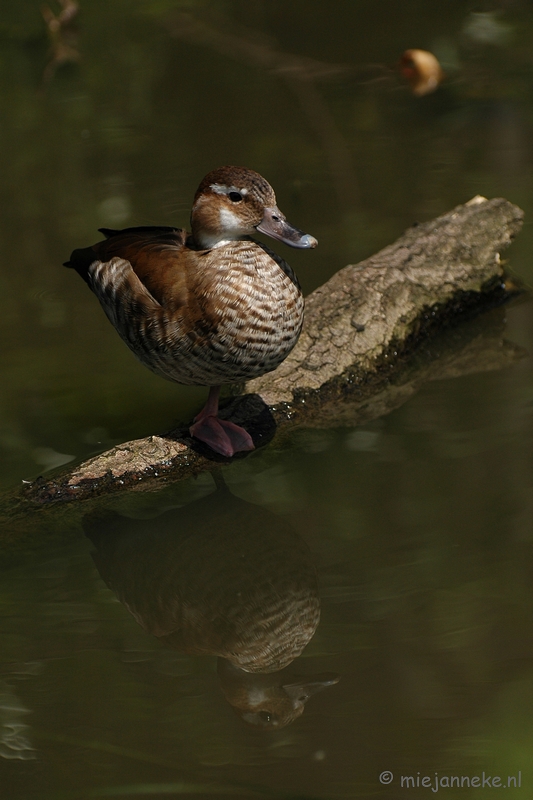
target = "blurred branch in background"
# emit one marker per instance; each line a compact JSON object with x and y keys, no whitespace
{"x":299,"y":72}
{"x":63,"y":36}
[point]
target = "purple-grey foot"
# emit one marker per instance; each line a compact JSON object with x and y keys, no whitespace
{"x":220,"y":435}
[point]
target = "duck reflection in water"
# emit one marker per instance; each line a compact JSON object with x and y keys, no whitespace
{"x":222,"y":577}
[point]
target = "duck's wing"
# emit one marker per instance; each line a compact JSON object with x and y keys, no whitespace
{"x":141,"y":277}
{"x":136,"y":265}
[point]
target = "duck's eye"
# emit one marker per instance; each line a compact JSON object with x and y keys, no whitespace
{"x":264,"y":716}
{"x":235,"y":197}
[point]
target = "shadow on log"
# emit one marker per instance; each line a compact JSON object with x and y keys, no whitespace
{"x":372,"y":335}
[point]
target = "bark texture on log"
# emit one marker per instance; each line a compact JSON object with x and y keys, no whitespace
{"x":362,"y":310}
{"x":360,"y":327}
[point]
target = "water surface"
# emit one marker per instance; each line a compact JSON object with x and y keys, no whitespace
{"x":418,"y":522}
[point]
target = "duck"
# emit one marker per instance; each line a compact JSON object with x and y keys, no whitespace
{"x":207,"y":307}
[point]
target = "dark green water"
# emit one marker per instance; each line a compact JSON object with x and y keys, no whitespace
{"x":419,"y":523}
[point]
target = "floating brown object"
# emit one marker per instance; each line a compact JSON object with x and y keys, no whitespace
{"x":422,"y":70}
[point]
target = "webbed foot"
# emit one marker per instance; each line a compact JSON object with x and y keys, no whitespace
{"x":220,"y":435}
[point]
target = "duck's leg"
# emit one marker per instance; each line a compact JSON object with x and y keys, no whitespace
{"x":222,"y":436}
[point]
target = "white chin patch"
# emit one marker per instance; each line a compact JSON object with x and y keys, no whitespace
{"x":230,"y":223}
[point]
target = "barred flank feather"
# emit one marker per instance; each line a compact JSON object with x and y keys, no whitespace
{"x":256,"y":317}
{"x":210,"y":307}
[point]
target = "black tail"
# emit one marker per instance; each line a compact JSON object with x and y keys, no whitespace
{"x":81,"y":260}
{"x":162,"y":229}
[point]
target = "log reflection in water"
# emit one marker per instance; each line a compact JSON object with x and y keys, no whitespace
{"x":222,"y":577}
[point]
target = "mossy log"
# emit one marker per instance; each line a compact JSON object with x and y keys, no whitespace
{"x":359,"y":355}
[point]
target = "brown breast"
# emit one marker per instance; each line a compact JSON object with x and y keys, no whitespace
{"x":197,"y":317}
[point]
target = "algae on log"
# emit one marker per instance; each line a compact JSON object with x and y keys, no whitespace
{"x":361,"y":331}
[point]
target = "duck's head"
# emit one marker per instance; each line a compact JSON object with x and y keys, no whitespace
{"x":270,"y":700}
{"x":234,"y":202}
